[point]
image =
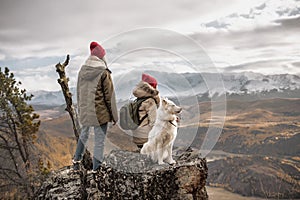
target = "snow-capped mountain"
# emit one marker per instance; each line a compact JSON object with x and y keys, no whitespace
{"x":188,"y":84}
{"x":191,"y":84}
{"x":249,"y":82}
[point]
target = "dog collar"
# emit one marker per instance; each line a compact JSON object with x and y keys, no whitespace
{"x":172,"y":123}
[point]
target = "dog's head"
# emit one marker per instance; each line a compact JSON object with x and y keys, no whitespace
{"x":170,"y":107}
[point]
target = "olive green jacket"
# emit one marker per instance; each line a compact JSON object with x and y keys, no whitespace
{"x":95,"y":94}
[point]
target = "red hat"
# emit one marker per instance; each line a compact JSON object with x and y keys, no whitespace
{"x":97,"y":50}
{"x":149,"y":79}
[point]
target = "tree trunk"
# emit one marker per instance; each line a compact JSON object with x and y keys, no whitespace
{"x":63,"y":82}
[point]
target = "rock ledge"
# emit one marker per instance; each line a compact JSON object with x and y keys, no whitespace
{"x":128,"y":175}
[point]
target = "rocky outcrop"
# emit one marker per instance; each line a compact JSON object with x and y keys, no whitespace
{"x":127,"y":175}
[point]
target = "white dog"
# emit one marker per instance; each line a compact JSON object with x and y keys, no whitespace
{"x":162,"y":135}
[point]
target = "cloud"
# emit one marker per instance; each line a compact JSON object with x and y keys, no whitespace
{"x":272,"y":66}
{"x":236,"y":35}
{"x":45,"y":82}
{"x":2,"y":56}
{"x":265,"y":15}
{"x":71,"y":24}
{"x":296,"y":64}
{"x":257,"y":45}
{"x":41,"y":78}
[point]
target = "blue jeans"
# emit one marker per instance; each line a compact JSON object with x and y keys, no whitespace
{"x":99,"y":132}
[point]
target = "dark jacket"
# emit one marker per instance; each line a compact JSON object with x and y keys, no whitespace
{"x":95,"y":94}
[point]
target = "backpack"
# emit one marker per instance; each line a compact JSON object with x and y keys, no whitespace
{"x":129,"y":114}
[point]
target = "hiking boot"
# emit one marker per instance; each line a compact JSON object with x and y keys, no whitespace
{"x":76,"y":165}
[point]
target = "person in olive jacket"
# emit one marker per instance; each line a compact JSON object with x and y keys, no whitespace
{"x":96,"y":104}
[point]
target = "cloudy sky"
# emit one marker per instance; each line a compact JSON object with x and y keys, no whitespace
{"x":232,"y":36}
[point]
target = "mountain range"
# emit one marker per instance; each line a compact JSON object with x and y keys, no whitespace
{"x":205,"y":85}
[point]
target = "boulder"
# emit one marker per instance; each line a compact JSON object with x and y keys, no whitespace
{"x":129,"y":175}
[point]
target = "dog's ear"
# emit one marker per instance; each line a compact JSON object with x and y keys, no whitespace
{"x":164,"y":101}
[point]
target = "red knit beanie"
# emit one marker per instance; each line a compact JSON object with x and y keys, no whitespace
{"x":149,"y":79}
{"x":97,"y":50}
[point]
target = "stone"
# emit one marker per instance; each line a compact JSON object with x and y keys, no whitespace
{"x":129,"y":175}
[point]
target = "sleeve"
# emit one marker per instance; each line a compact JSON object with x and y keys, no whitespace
{"x":109,"y":95}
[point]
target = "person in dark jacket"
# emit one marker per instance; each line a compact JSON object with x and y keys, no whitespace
{"x":96,"y":104}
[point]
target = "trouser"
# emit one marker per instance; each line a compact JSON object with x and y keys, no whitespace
{"x":99,"y":139}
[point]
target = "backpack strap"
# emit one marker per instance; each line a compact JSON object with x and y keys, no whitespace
{"x":172,"y":123}
{"x":145,"y":98}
